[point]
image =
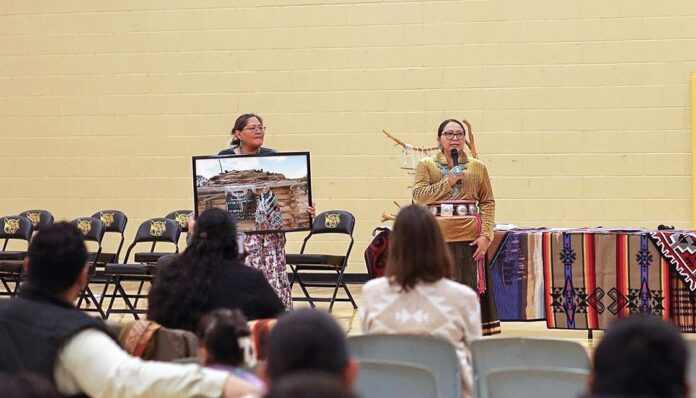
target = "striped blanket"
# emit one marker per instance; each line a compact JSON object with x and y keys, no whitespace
{"x":518,"y":278}
{"x":590,"y":278}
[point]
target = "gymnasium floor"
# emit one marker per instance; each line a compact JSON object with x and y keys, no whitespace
{"x":348,"y":319}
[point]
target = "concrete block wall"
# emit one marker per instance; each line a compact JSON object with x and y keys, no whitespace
{"x":581,"y":109}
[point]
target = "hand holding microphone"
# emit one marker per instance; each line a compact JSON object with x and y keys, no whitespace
{"x":455,"y":176}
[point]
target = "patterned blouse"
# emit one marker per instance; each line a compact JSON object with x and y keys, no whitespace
{"x":431,"y":185}
{"x":445,"y":309}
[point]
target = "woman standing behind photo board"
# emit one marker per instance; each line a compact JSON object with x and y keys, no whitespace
{"x":266,"y":251}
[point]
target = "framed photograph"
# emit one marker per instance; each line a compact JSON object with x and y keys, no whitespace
{"x":264,"y":193}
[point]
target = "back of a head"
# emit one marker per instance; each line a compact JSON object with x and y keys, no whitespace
{"x":307,"y":340}
{"x":57,"y":255}
{"x":307,"y":384}
{"x":417,"y":250}
{"x":215,"y":231}
{"x":26,"y":385}
{"x":640,"y":356}
{"x":225,"y":336}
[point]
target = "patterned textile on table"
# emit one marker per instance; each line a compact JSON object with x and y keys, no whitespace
{"x":518,"y":276}
{"x":680,"y":249}
{"x":593,"y":276}
{"x":682,"y":303}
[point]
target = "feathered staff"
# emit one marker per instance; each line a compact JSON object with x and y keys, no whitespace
{"x":468,"y":140}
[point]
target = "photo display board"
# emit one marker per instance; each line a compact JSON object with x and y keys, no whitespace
{"x":264,"y":193}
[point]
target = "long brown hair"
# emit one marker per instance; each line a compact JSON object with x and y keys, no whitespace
{"x":417,"y":250}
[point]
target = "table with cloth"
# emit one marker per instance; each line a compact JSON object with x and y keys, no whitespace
{"x":584,"y":278}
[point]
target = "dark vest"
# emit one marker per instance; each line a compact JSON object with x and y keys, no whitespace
{"x":34,"y":327}
{"x":230,"y":151}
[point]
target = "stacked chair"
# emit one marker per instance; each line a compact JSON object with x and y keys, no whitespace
{"x":93,"y":230}
{"x":18,"y":228}
{"x":114,"y":223}
{"x":406,"y":366}
{"x":505,"y":367}
{"x":182,"y":218}
{"x":144,"y":268}
{"x":13,"y":228}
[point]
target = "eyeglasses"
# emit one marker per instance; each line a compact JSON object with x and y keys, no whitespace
{"x":260,"y":129}
{"x":451,"y":134}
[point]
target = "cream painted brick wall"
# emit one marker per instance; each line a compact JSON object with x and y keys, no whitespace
{"x":581,"y":109}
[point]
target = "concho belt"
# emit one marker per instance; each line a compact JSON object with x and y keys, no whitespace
{"x":453,"y":208}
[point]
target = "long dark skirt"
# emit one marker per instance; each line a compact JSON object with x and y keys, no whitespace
{"x":465,"y":272}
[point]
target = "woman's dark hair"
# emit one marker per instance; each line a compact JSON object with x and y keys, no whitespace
{"x":306,"y":340}
{"x":310,"y":384}
{"x":180,"y":293}
{"x":417,"y":250}
{"x":240,"y":123}
{"x":640,"y":355}
{"x":441,"y":128}
{"x":57,"y":255}
{"x":219,"y":332}
{"x":26,"y":385}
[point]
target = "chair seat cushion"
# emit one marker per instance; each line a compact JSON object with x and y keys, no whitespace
{"x":147,"y":257}
{"x":103,"y":258}
{"x":10,"y":266}
{"x":12,"y":255}
{"x":314,"y":259}
{"x":129,"y":269}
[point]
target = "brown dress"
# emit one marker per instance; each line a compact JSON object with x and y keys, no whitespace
{"x":430,"y":186}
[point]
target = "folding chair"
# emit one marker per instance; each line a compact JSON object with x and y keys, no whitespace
{"x":328,"y":222}
{"x":11,"y":269}
{"x":154,"y":230}
{"x":39,"y":218}
{"x":537,"y":382}
{"x":93,"y":231}
{"x":490,"y":355}
{"x":406,"y":366}
{"x":115,"y":222}
{"x":182,"y":218}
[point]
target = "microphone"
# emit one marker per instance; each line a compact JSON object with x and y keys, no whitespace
{"x":455,"y":162}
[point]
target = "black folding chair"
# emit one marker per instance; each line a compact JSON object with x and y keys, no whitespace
{"x":39,"y":218}
{"x":329,"y":222}
{"x":93,"y":231}
{"x":115,"y":222}
{"x":11,"y":261}
{"x":154,"y":230}
{"x":182,"y":218}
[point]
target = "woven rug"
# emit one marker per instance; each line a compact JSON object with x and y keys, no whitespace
{"x":679,"y":248}
{"x":592,"y":278}
{"x":518,"y":278}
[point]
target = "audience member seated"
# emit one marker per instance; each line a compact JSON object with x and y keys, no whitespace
{"x":416,"y":297}
{"x":150,"y":341}
{"x":640,"y":356}
{"x":208,"y":275}
{"x":310,"y":385}
{"x":26,"y":385}
{"x":43,"y":333}
{"x":308,"y":340}
{"x":224,"y":343}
